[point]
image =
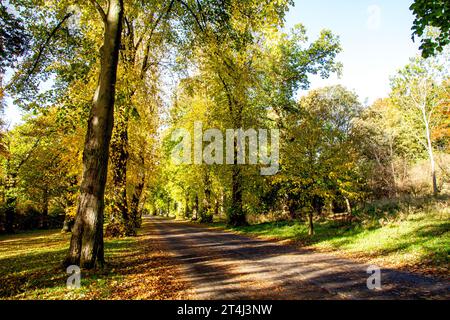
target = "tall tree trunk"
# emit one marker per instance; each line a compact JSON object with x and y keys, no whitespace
{"x":196,"y":208}
{"x":135,"y":212}
{"x":10,"y":213}
{"x":317,"y":206}
{"x":236,"y":216}
{"x":206,"y":215}
{"x":121,"y":221}
{"x":216,"y":207}
{"x":136,"y":198}
{"x":168,"y":208}
{"x":430,"y":152}
{"x":348,"y":205}
{"x":433,"y":174}
{"x":121,"y":224}
{"x":187,"y":209}
{"x":310,"y":224}
{"x":86,"y":245}
{"x":44,"y":223}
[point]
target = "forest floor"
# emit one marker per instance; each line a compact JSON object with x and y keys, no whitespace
{"x":136,"y":268}
{"x":178,"y":260}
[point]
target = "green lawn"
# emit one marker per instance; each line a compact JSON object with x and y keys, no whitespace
{"x":420,"y":240}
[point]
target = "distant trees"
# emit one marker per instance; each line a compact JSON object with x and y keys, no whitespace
{"x":319,"y":155}
{"x":383,"y":138}
{"x":411,"y":125}
{"x":41,"y":167}
{"x":247,"y":84}
{"x":334,"y":153}
{"x":417,"y":91}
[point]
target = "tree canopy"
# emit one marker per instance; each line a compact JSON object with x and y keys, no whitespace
{"x":436,"y":14}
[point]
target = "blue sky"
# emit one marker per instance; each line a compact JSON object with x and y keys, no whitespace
{"x":375,"y":36}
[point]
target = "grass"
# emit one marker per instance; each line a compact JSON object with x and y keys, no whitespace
{"x":30,"y":268}
{"x":141,"y":268}
{"x":419,"y":241}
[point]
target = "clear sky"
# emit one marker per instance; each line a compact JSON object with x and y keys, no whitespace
{"x":375,"y":36}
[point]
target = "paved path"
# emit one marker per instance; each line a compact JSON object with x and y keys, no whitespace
{"x":223,"y":265}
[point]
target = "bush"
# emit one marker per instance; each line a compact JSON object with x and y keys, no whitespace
{"x":28,"y":217}
{"x":206,"y":216}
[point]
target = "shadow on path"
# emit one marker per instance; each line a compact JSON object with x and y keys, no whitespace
{"x":222,"y":265}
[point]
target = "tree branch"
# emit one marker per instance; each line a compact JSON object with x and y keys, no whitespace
{"x":45,"y":44}
{"x":24,"y":160}
{"x":99,"y":9}
{"x":145,"y":63}
{"x":193,"y":14}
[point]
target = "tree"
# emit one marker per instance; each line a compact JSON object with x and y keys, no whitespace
{"x":41,"y":165}
{"x":319,"y":158}
{"x":383,"y":139}
{"x":18,"y":156}
{"x":415,"y":90}
{"x":13,"y":44}
{"x":431,"y":13}
{"x":143,"y":48}
{"x":86,"y":245}
{"x":13,"y":38}
{"x":243,"y":84}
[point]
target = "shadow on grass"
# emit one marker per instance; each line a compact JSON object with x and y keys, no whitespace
{"x":295,"y":230}
{"x":428,"y":239}
{"x":431,"y":242}
{"x":33,"y":261}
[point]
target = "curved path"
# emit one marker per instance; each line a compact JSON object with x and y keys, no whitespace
{"x":223,"y":265}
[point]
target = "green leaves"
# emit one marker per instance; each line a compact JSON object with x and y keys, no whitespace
{"x":431,"y":14}
{"x":13,"y":38}
{"x":319,"y":157}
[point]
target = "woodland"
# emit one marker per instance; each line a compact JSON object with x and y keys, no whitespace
{"x":103,"y":84}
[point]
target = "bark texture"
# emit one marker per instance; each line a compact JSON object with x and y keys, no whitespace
{"x":236,"y":214}
{"x":121,"y":224}
{"x":86,"y":245}
{"x":136,"y":200}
